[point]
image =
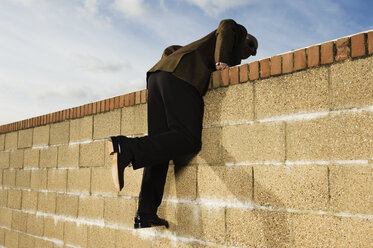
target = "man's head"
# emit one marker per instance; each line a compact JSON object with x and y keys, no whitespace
{"x":249,"y":47}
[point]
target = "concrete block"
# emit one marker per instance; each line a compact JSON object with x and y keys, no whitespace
{"x":53,"y":229}
{"x":297,"y":186}
{"x":92,"y":154}
{"x":1,"y":177}
{"x":229,"y":104}
{"x":79,"y":180}
{"x":59,"y":133}
{"x":67,"y":205}
{"x":126,"y":239}
{"x":181,"y":182}
{"x":343,"y":137}
{"x":2,"y":142}
{"x":132,"y":182}
{"x":231,"y":184}
{"x":57,"y":180}
{"x":42,"y":243}
{"x":25,"y":138}
{"x":9,"y":178}
{"x":254,"y":142}
{"x":16,"y":159}
{"x":39,"y":179}
{"x":19,"y":221}
{"x":29,"y":200}
{"x":14,"y":199}
{"x":11,"y":140}
{"x":189,"y":221}
{"x":331,"y":231}
{"x":2,"y":236}
{"x":212,"y":149}
{"x":297,"y":92}
{"x":134,"y":120}
{"x":91,"y":207}
{"x":47,"y":202}
{"x":41,"y":136}
{"x":48,"y":157}
{"x":4,"y":159}
{"x":35,"y":224}
{"x":6,"y":217}
{"x":76,"y":235}
{"x":257,"y":228}
{"x":81,"y":129}
{"x":351,"y":83}
{"x":23,"y":178}
{"x":101,"y":237}
{"x":25,"y":241}
{"x":106,"y":124}
{"x":68,"y":156}
{"x":351,"y":188}
{"x":11,"y":238}
{"x":31,"y":158}
{"x":102,"y":181}
{"x":167,"y":211}
{"x":120,"y":211}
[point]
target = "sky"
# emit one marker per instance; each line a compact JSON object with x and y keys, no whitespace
{"x":57,"y":54}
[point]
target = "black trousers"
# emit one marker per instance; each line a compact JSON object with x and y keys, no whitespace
{"x":175,"y":114}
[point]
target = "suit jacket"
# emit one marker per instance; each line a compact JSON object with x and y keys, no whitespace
{"x":195,"y":62}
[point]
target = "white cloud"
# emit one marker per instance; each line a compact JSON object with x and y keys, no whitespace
{"x":131,"y":8}
{"x":87,"y":62}
{"x":216,"y":7}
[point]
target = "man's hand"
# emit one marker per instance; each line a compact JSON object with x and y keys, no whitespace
{"x":221,"y":66}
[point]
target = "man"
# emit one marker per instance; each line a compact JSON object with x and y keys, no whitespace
{"x":175,"y":86}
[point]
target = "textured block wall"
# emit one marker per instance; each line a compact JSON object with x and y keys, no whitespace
{"x":286,"y":161}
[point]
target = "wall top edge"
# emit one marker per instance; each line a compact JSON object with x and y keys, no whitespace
{"x":354,"y":46}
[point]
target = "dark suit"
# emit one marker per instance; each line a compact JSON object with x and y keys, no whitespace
{"x":175,"y":106}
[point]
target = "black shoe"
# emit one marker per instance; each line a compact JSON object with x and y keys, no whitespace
{"x":149,"y":221}
{"x":124,"y":157}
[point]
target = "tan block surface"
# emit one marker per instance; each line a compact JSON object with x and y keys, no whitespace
{"x":39,"y":179}
{"x":351,"y":188}
{"x":9,"y":178}
{"x":59,"y":133}
{"x":14,"y":199}
{"x":343,"y":137}
{"x":19,"y":221}
{"x":213,"y":224}
{"x":120,"y":211}
{"x":181,"y":183}
{"x":81,"y":129}
{"x":16,"y":159}
{"x":47,"y":202}
{"x":76,"y":234}
{"x":67,"y":205}
{"x":31,"y":158}
{"x":134,"y":120}
{"x":2,"y":142}
{"x":79,"y":180}
{"x":102,"y":181}
{"x":352,"y":83}
{"x":29,"y":200}
{"x":57,"y":180}
{"x":257,"y":228}
{"x":48,"y":157}
{"x":297,"y":92}
{"x":188,"y":220}
{"x":25,"y":241}
{"x":167,"y":211}
{"x":68,"y":156}
{"x":11,"y":238}
{"x":41,"y":135}
{"x":6,"y":217}
{"x":229,"y":104}
{"x":132,"y":181}
{"x":53,"y":229}
{"x":101,"y":237}
{"x":232,"y":184}
{"x":11,"y":140}
{"x":35,"y":224}
{"x":106,"y":124}
{"x":296,"y":186}
{"x":91,"y":207}
{"x":4,"y":159}
{"x":42,"y":243}
{"x":256,"y":142}
{"x":126,"y":239}
{"x":25,"y":138}
{"x":331,"y":231}
{"x":23,"y":178}
{"x":92,"y":154}
{"x":1,"y":177}
{"x":2,"y":236}
{"x":212,"y":149}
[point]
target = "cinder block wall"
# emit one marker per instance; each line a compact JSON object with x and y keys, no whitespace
{"x":287,"y":161}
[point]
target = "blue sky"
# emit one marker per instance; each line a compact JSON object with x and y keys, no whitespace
{"x":57,"y":54}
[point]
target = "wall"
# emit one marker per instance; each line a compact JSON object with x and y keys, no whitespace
{"x":287,"y":161}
